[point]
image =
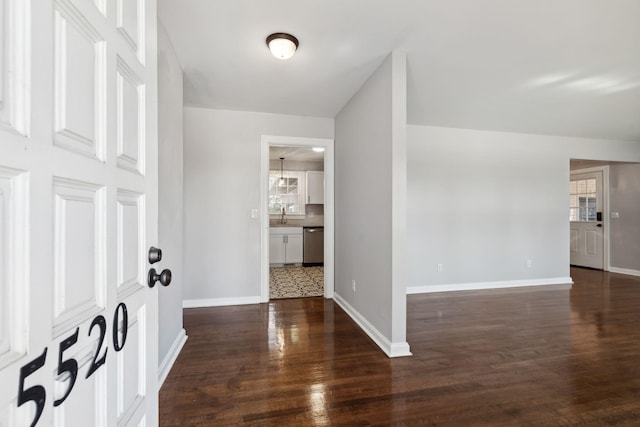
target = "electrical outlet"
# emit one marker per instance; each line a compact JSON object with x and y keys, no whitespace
{"x":353,"y":285}
{"x":254,"y":213}
{"x":440,"y":268}
{"x":529,"y":263}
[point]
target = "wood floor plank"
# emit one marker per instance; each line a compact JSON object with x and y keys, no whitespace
{"x":528,"y":356}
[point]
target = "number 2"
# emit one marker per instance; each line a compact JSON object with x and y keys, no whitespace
{"x":102,"y":324}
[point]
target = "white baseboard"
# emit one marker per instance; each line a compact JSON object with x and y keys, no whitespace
{"x":397,"y":349}
{"x":219,"y":302}
{"x":624,"y":271}
{"x":170,"y":358}
{"x":489,"y":285}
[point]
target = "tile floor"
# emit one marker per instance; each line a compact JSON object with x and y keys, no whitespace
{"x":296,"y":282}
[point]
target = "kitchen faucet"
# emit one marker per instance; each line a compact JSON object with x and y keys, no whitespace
{"x":283,"y":217}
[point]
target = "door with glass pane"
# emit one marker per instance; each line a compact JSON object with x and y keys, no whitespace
{"x":586,"y":220}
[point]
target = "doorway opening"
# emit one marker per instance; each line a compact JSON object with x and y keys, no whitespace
{"x":296,"y":222}
{"x":618,"y":223}
{"x":588,"y":215}
{"x":620,"y":219}
{"x":297,"y":217}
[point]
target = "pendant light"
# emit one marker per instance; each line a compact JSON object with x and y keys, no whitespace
{"x":282,"y":181}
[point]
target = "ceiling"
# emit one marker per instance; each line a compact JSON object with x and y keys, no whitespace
{"x":559,"y":67}
{"x":575,"y":164}
{"x":302,"y":154}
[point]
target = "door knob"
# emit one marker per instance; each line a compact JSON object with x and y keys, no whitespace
{"x":155,"y":255}
{"x":599,"y":225}
{"x":164,"y":277}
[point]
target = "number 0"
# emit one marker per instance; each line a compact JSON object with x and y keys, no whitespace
{"x":117,"y":344}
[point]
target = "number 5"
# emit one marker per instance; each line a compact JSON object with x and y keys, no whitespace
{"x":37,"y":393}
{"x":70,"y":365}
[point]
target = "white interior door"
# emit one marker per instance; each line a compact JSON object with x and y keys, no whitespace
{"x":586,"y":219}
{"x":78,"y":212}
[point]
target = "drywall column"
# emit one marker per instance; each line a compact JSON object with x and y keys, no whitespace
{"x":624,"y":200}
{"x":171,"y":335}
{"x":399,"y":346}
{"x":370,"y":212}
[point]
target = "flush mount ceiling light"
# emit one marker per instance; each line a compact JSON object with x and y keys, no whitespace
{"x":318,"y":149}
{"x":282,"y":45}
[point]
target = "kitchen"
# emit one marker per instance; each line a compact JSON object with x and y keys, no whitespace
{"x":296,"y":222}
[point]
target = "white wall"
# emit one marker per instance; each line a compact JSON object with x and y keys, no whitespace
{"x":170,"y":213}
{"x":222,"y":185}
{"x":483,"y":203}
{"x":367,"y":139}
{"x":624,"y":198}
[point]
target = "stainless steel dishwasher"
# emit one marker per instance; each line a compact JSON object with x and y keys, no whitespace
{"x":313,"y":252}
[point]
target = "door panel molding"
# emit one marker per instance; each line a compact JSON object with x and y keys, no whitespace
{"x":80,"y":101}
{"x":14,"y":238}
{"x":130,"y":118}
{"x":15,"y":70}
{"x":131,"y":241}
{"x":131,"y":25}
{"x":80,"y":247}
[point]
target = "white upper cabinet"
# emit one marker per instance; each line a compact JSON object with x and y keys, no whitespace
{"x":315,"y":188}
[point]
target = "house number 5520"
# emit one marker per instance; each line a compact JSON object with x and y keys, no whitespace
{"x":38,"y":394}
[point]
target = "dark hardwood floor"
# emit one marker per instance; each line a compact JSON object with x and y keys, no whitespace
{"x":524,"y":356}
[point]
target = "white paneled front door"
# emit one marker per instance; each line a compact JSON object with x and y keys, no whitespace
{"x":78,"y":212}
{"x":586,"y":219}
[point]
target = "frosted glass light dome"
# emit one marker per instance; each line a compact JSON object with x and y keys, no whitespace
{"x":282,"y":45}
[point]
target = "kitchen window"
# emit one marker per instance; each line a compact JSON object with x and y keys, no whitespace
{"x":288,"y":193}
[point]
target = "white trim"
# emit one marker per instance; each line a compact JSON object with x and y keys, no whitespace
{"x":399,"y":197}
{"x":489,"y":285}
{"x":288,"y":141}
{"x":607,"y":217}
{"x":16,"y":72}
{"x":170,"y":358}
{"x":219,"y":302}
{"x":396,"y":349}
{"x":624,"y":271}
